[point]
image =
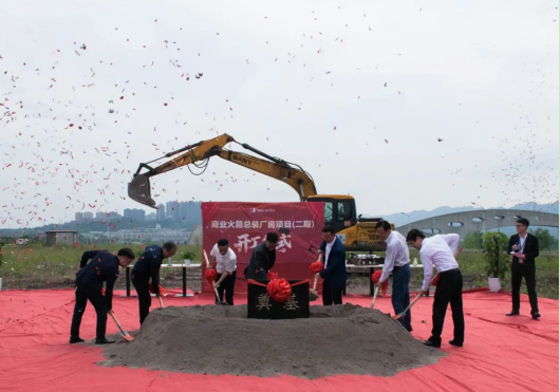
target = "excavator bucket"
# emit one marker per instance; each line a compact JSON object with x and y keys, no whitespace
{"x":139,"y":190}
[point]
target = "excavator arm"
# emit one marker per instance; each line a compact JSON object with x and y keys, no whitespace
{"x":139,"y":188}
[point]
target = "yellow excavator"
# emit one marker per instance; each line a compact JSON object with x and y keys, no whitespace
{"x":356,"y":234}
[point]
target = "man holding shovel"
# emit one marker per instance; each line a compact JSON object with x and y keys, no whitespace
{"x":262,"y":259}
{"x":147,"y":267}
{"x":440,"y":251}
{"x":89,"y":284}
{"x":226,"y":267}
{"x":334,"y":274}
{"x":397,"y":259}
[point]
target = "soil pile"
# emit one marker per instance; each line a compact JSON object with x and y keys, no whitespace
{"x":345,"y":339}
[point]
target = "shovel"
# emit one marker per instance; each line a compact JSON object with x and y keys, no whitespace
{"x":160,"y":301}
{"x":401,"y":314}
{"x":213,"y":283}
{"x":313,"y":294}
{"x":374,"y":296}
{"x":126,"y":336}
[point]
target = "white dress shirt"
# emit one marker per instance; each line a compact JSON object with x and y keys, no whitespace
{"x":224,"y":263}
{"x":437,"y":251}
{"x":397,"y":254}
{"x":328,"y":248}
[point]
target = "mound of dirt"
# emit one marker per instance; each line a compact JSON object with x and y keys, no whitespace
{"x":345,"y":339}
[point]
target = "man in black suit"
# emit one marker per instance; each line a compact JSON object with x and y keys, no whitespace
{"x":525,"y":249}
{"x":334,"y":273}
{"x":89,"y":283}
{"x":262,"y":259}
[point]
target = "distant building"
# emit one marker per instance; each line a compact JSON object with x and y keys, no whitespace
{"x":79,"y":216}
{"x":151,"y":217}
{"x":160,"y":213}
{"x":61,"y":237}
{"x":100,"y":216}
{"x":88,"y":216}
{"x":136,"y":214}
{"x":173,"y":210}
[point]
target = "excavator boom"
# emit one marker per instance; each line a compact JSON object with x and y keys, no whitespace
{"x":139,"y":188}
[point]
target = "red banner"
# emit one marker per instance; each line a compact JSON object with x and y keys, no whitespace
{"x":245,"y":225}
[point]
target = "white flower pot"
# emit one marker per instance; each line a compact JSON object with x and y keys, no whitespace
{"x":494,"y":285}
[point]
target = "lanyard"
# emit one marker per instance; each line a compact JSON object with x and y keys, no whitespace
{"x":522,"y":246}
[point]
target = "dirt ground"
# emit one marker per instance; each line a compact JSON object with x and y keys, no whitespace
{"x":345,"y":339}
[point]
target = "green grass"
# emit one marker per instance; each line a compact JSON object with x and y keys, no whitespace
{"x":39,"y":266}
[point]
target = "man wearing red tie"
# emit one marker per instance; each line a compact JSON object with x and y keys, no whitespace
{"x":525,"y":249}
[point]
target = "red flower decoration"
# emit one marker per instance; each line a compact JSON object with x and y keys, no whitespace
{"x":434,"y":282}
{"x":316,"y":266}
{"x":279,"y":290}
{"x":272,"y":275}
{"x":210,"y":274}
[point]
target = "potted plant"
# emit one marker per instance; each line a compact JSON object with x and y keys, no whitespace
{"x":497,"y":260}
{"x":188,"y":256}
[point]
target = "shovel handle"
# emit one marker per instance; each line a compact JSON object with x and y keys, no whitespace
{"x":206,"y":258}
{"x":401,"y":314}
{"x":117,"y":322}
{"x":160,"y":301}
{"x":216,"y":292}
{"x":374,"y":296}
{"x":315,"y":286}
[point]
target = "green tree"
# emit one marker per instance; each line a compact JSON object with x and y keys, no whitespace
{"x":495,"y":252}
{"x":546,"y":240}
{"x":473,"y":240}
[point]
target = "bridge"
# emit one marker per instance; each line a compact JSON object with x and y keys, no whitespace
{"x":466,"y":222}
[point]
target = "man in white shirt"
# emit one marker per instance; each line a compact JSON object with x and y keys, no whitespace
{"x":440,"y":251}
{"x":226,"y":267}
{"x":397,"y":258}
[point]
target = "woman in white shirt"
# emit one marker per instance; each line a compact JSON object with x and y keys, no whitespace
{"x":226,"y":266}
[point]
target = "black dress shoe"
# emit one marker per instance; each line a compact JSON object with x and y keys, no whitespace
{"x":536,"y":316}
{"x":513,"y":313}
{"x":431,"y":343}
{"x":456,"y":343}
{"x":76,"y":340}
{"x":104,"y":341}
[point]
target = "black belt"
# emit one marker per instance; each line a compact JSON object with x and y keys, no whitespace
{"x":451,"y":270}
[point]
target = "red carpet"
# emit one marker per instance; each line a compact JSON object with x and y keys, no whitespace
{"x":500,"y":353}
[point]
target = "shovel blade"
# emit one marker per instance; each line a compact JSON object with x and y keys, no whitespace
{"x":139,"y":190}
{"x":127,"y":337}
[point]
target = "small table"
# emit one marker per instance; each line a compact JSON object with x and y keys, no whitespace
{"x":371,"y":268}
{"x":165,"y":265}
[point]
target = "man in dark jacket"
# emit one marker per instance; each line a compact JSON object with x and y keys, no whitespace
{"x":89,"y":283}
{"x":525,"y":249}
{"x":147,"y":267}
{"x":334,"y":273}
{"x":262,"y":258}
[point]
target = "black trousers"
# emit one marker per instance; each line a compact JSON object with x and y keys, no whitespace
{"x":94,"y":295}
{"x":142,"y":286}
{"x":518,"y":272}
{"x":227,"y":285}
{"x":449,"y":290}
{"x":331,"y":295}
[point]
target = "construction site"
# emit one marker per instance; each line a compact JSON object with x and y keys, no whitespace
{"x":210,"y":116}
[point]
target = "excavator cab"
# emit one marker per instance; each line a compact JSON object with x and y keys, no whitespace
{"x":340,"y":210}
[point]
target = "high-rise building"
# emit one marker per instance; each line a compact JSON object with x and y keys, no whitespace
{"x":79,"y":216}
{"x":160,"y":213}
{"x":173,"y":210}
{"x":88,"y":216}
{"x":151,"y":217}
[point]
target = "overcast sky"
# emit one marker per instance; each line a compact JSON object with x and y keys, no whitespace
{"x":358,"y":93}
